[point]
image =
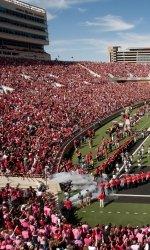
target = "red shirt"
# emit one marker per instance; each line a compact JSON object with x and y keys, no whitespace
{"x":101,"y":196}
{"x":68,"y":204}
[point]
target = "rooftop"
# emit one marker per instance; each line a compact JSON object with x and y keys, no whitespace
{"x":26,"y":5}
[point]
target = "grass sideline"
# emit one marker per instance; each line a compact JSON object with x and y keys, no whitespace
{"x":115,"y":213}
{"x":146,"y":159}
{"x":101,"y":132}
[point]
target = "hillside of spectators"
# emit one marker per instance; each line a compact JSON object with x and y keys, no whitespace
{"x":29,"y":220}
{"x":51,"y":101}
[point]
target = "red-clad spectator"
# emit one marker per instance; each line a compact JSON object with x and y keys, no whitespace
{"x":101,"y":198}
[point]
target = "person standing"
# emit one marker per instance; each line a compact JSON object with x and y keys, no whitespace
{"x":81,"y":202}
{"x":68,"y":207}
{"x":101,"y":198}
{"x":88,"y":197}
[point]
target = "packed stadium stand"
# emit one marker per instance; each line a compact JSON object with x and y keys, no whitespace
{"x":29,"y":219}
{"x":35,"y":224}
{"x":51,"y":101}
{"x":43,"y":104}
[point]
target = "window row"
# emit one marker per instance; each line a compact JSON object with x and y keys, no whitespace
{"x":19,"y":24}
{"x":21,"y":15}
{"x":21,"y":33}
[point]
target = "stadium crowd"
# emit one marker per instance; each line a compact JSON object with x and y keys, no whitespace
{"x":50,"y":102}
{"x":29,"y":220}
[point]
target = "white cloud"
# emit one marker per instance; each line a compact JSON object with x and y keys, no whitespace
{"x":135,"y":37}
{"x":78,"y":43}
{"x":50,"y":16}
{"x":96,"y":48}
{"x":131,"y":39}
{"x":59,"y":4}
{"x":82,"y":10}
{"x":110,"y":23}
{"x":78,"y":49}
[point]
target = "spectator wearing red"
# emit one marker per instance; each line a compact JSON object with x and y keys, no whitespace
{"x":101,"y":198}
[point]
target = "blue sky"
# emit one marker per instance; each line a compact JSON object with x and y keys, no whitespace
{"x":83,"y":29}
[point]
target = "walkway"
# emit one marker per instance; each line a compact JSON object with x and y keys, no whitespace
{"x":24,"y":183}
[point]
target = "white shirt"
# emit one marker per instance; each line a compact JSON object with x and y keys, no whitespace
{"x":91,"y":248}
{"x":135,"y":247}
{"x":146,"y":246}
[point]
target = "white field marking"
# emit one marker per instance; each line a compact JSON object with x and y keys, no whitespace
{"x":116,"y":212}
{"x":120,"y":170}
{"x":144,"y":124}
{"x":141,"y":144}
{"x":131,"y":195}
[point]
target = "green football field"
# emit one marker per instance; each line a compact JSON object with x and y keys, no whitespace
{"x":115,"y":213}
{"x":146,"y":159}
{"x":143,"y":124}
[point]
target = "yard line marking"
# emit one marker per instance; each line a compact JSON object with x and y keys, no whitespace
{"x":141,"y":145}
{"x":130,"y":195}
{"x":109,"y":212}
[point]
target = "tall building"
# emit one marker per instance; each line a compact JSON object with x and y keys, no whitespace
{"x":23,"y":30}
{"x":133,"y":55}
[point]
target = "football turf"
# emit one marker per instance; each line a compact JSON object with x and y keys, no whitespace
{"x":115,"y":213}
{"x":135,"y":214}
{"x":146,"y":158}
{"x":143,"y":123}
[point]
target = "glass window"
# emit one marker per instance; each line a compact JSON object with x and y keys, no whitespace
{"x":21,"y":15}
{"x":21,"y":33}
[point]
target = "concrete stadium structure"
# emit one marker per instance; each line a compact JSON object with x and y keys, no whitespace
{"x":132,"y":55}
{"x":23,"y":30}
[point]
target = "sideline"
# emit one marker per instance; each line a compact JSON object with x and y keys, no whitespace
{"x":130,"y":195}
{"x":141,"y":144}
